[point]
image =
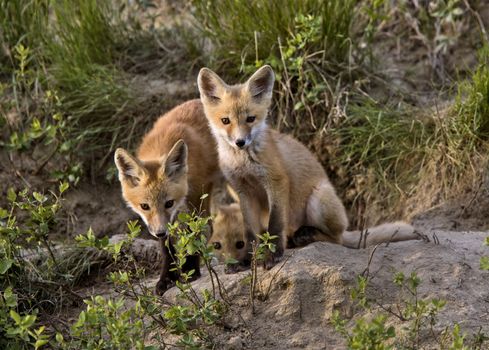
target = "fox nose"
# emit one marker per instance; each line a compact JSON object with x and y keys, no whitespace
{"x":161,"y":234}
{"x":240,"y":143}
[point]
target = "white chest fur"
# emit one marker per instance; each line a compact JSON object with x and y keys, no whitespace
{"x":239,"y":163}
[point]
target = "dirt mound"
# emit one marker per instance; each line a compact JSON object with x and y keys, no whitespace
{"x":312,"y":282}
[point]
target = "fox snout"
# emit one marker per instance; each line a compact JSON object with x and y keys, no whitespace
{"x":241,"y":139}
{"x":157,"y":226}
{"x":161,"y":234}
{"x":240,"y":143}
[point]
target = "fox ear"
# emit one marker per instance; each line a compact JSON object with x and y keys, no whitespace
{"x":130,"y":169}
{"x":211,"y":87}
{"x":260,"y":84}
{"x":175,"y":163}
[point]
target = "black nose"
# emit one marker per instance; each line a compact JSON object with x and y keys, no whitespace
{"x":240,"y":143}
{"x":161,"y":234}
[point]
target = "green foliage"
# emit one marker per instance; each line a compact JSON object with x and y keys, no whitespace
{"x":40,"y":216}
{"x":22,"y":22}
{"x":103,"y":244}
{"x":21,"y":280}
{"x":188,"y":237}
{"x":256,"y":33}
{"x":366,"y":335}
{"x":358,"y":293}
{"x":266,"y":246}
{"x":418,"y":315}
{"x":471,"y":121}
{"x":484,"y":261}
{"x":109,"y":324}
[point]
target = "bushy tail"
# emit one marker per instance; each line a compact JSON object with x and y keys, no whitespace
{"x":389,"y":232}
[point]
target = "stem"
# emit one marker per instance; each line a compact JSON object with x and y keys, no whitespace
{"x":48,"y":247}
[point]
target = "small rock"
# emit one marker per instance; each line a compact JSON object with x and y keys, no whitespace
{"x":235,"y":343}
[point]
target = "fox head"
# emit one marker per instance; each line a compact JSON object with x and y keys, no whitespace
{"x":228,"y":234}
{"x":155,"y":190}
{"x":237,"y":113}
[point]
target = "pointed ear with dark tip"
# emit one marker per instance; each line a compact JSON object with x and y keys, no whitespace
{"x":260,"y":84}
{"x":211,"y":87}
{"x":175,"y":164}
{"x":130,"y":169}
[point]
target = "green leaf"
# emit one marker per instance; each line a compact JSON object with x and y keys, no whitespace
{"x":11,"y":195}
{"x":484,"y":263}
{"x":38,"y":197}
{"x":63,"y":186}
{"x":28,"y":320}
{"x":3,"y":213}
{"x":5,"y":265}
{"x":59,"y":338}
{"x":40,"y":342}
{"x":15,"y":316}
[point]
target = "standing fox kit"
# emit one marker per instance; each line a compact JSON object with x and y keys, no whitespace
{"x":175,"y":164}
{"x":274,"y":175}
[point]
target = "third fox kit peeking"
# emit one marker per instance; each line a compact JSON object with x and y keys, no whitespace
{"x":271,"y":172}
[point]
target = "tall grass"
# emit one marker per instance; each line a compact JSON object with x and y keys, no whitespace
{"x":401,"y":162}
{"x":21,"y":22}
{"x":243,"y":32}
{"x":81,"y":50}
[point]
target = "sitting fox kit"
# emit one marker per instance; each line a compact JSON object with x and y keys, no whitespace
{"x":276,"y":177}
{"x":176,"y":163}
{"x":270,"y":171}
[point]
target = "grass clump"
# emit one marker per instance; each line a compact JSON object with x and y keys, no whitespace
{"x":21,"y":22}
{"x":263,"y":26}
{"x":471,"y":121}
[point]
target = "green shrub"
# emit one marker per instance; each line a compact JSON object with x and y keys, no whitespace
{"x":419,"y":317}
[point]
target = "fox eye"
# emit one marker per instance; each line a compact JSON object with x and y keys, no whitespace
{"x":144,"y":206}
{"x":169,"y":204}
{"x":250,"y":119}
{"x":239,"y":244}
{"x":225,"y":120}
{"x":217,"y":245}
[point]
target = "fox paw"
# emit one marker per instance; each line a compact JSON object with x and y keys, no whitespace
{"x":235,"y":268}
{"x":161,"y":287}
{"x":272,"y":259}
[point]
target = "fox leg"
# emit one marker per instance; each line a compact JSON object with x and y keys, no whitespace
{"x":277,"y":225}
{"x":250,"y":209}
{"x":162,"y":284}
{"x":326,"y":213}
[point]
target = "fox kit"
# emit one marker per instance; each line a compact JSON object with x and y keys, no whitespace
{"x":175,"y":164}
{"x":273,"y":173}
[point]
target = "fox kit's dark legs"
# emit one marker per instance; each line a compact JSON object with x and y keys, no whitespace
{"x":162,"y":284}
{"x":167,"y":274}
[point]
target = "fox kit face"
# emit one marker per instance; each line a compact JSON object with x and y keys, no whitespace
{"x":237,"y":114}
{"x":154,"y":190}
{"x":228,"y":234}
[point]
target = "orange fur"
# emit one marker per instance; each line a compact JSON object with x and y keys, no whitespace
{"x":176,"y":164}
{"x":274,"y":175}
{"x":145,"y":180}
